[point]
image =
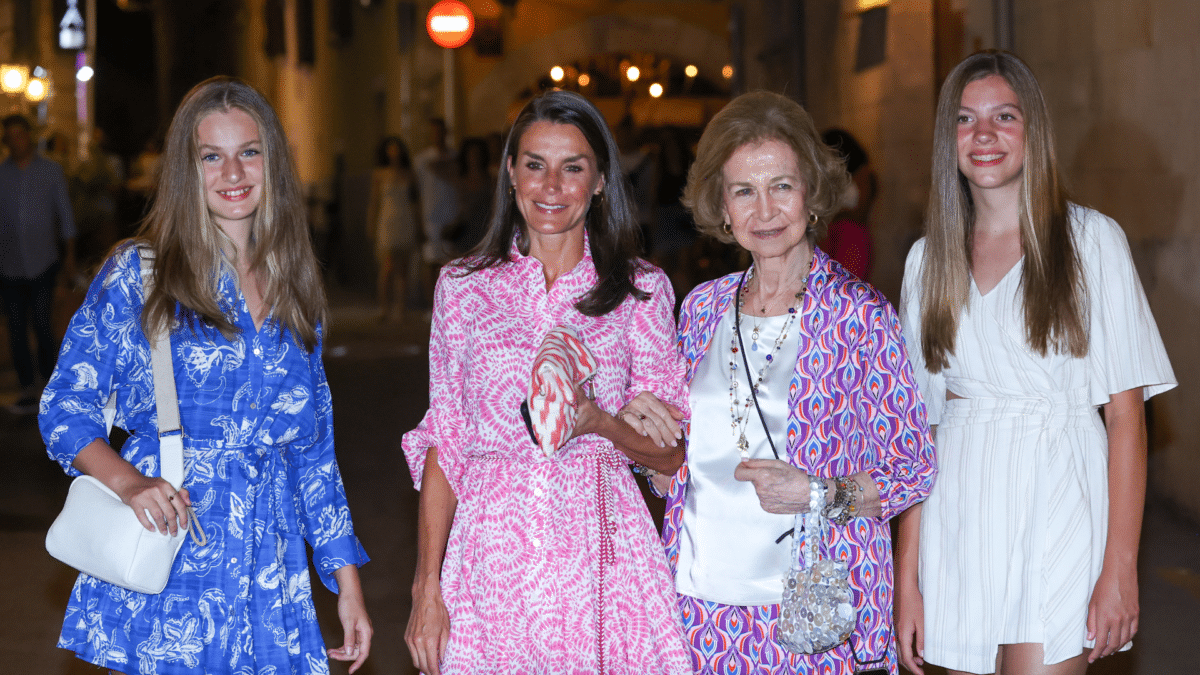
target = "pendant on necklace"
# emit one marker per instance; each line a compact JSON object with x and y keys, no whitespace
{"x":743,"y":447}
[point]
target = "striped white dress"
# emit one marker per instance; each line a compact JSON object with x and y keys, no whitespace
{"x":1012,"y":536}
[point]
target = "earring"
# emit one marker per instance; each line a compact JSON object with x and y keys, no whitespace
{"x":727,"y":228}
{"x":812,"y":219}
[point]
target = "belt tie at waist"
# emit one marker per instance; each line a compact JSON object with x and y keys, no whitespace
{"x":264,"y":468}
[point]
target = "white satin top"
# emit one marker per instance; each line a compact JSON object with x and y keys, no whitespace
{"x":727,"y":549}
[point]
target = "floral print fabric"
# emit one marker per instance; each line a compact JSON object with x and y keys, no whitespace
{"x":553,"y":564}
{"x":854,"y":407}
{"x":259,"y":467}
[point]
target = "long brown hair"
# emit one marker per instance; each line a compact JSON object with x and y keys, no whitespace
{"x":1052,"y":283}
{"x":189,"y":245}
{"x":613,"y":232}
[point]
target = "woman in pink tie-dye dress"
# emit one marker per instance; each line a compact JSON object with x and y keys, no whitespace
{"x":528,"y":563}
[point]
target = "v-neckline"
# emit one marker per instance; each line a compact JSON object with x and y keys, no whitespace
{"x":999,"y":283}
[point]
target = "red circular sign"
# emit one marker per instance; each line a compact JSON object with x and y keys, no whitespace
{"x":450,"y":24}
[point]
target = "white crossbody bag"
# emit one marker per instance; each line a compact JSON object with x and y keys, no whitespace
{"x":100,"y":535}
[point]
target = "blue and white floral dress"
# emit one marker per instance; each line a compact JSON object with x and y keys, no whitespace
{"x":260,"y":469}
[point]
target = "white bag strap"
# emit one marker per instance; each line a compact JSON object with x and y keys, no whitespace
{"x":166,"y":400}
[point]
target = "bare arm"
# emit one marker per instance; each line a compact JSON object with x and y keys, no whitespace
{"x":356,"y":625}
{"x":157,"y":505}
{"x":1113,"y":610}
{"x":910,"y":606}
{"x":429,"y":624}
{"x":641,"y":449}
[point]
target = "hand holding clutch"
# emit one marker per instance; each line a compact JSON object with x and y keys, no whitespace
{"x":563,"y":363}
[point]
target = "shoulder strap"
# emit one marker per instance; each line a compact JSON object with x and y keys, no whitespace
{"x":166,"y":400}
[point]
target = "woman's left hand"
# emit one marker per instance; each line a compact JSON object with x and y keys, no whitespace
{"x":355,"y":623}
{"x":653,"y":418}
{"x":1112,"y":618}
{"x":781,"y":487}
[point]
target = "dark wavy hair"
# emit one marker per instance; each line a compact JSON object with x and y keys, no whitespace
{"x":381,"y":154}
{"x":611,"y":221}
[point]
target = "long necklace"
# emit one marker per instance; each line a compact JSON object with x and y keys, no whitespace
{"x":739,"y":410}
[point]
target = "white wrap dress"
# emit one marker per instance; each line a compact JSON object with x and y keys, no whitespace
{"x":1013,"y":533}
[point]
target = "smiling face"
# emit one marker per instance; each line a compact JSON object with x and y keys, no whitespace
{"x":554,"y":174}
{"x":231,"y":153}
{"x":991,"y":135}
{"x":763,"y":197}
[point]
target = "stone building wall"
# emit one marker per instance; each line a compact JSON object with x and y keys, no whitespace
{"x":1122,"y":80}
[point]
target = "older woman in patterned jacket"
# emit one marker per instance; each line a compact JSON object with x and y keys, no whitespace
{"x":822,"y":353}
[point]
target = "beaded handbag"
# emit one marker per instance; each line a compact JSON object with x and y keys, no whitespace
{"x":816,"y":613}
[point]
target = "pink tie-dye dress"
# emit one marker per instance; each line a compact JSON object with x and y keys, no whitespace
{"x":553,"y":564}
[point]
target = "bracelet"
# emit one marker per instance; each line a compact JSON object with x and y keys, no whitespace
{"x":844,"y":505}
{"x":644,"y":471}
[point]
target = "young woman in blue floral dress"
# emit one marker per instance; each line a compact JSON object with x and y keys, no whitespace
{"x":235,"y":284}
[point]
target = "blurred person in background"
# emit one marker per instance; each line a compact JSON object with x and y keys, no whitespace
{"x":35,"y":217}
{"x":95,"y":187}
{"x":849,"y":240}
{"x":475,"y":187}
{"x":393,"y":224}
{"x":436,"y":167}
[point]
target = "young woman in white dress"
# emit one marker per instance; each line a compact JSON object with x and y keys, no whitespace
{"x":1024,"y":319}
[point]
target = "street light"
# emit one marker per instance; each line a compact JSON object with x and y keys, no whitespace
{"x":36,"y":90}
{"x":656,"y":90}
{"x":691,"y":70}
{"x":633,"y":73}
{"x":84,"y":74}
{"x":13,"y":79}
{"x":556,"y":73}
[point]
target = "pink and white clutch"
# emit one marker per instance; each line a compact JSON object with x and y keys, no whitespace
{"x":563,"y":363}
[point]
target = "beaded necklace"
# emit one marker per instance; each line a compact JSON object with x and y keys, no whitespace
{"x":739,"y":411}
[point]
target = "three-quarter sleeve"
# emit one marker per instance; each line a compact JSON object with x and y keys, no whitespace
{"x":896,"y":418}
{"x":1125,"y":350}
{"x":445,"y":423}
{"x":324,"y":509}
{"x":932,"y":385}
{"x":656,"y":365}
{"x":103,"y":340}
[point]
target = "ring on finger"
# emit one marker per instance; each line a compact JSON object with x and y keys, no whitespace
{"x":641,"y":416}
{"x":171,"y":497}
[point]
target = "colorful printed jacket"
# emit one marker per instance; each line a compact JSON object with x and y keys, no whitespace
{"x":855,"y":407}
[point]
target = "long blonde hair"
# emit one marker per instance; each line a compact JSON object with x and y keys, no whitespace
{"x":1053,"y":288}
{"x":188,"y":244}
